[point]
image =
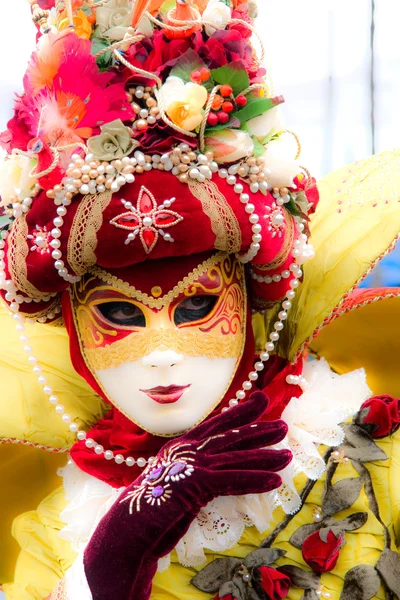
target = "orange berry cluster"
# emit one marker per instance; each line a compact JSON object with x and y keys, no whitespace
{"x":223,"y":105}
{"x":224,"y":102}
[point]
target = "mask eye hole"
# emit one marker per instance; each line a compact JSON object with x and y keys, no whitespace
{"x":122,"y":313}
{"x":194,"y":309}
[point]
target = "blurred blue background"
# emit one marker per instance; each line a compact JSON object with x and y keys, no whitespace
{"x":387,"y":273}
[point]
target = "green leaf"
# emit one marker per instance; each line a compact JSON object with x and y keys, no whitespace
{"x":263,"y":557}
{"x":4,"y":221}
{"x":215,"y":574}
{"x":232,"y":124}
{"x":234,"y":75}
{"x":268,"y":138}
{"x":99,"y":44}
{"x":190,"y":61}
{"x":359,"y":445}
{"x":292,"y":207}
{"x":258,"y":147}
{"x":360,"y":583}
{"x":388,"y":566}
{"x":342,"y":495}
{"x":256,"y":107}
{"x":167,"y":6}
{"x":305,"y":580}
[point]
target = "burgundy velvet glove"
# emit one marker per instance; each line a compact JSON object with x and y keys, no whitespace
{"x":223,"y":456}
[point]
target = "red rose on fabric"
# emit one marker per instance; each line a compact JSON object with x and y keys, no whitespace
{"x":383,"y":413}
{"x":319,"y":555}
{"x":274,"y":583}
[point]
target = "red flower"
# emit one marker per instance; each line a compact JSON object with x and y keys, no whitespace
{"x":241,"y":12}
{"x":224,"y":47}
{"x":228,"y":597}
{"x":383,"y":415}
{"x":161,"y":137}
{"x":274,"y":583}
{"x":158,"y":54}
{"x":319,"y":555}
{"x":310,"y":191}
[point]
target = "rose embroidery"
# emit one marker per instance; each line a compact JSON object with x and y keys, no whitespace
{"x":321,"y":552}
{"x":381,"y":415}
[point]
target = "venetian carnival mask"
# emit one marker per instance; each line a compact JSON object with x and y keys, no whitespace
{"x":166,"y":358}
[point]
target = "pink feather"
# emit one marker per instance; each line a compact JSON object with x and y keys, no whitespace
{"x":67,"y":98}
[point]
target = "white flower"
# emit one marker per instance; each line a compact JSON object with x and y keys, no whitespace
{"x":315,"y":418}
{"x":114,"y":18}
{"x":278,"y":160}
{"x":183,"y":102}
{"x":217,"y":14}
{"x":229,"y":145}
{"x":15,"y":177}
{"x":271,"y":122}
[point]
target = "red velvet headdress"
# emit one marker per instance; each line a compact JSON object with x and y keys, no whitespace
{"x":162,"y":144}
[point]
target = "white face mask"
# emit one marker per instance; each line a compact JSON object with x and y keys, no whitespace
{"x":167,"y":363}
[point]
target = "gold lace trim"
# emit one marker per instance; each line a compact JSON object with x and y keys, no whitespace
{"x":17,"y":254}
{"x":287,"y":245}
{"x":224,"y":223}
{"x":189,"y":343}
{"x":158,"y":303}
{"x":82,"y":241}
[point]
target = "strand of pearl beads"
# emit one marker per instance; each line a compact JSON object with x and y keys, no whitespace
{"x":20,"y":321}
{"x":274,"y":335}
{"x":62,"y":200}
{"x":60,"y":410}
{"x":253,"y":217}
{"x":277,"y":277}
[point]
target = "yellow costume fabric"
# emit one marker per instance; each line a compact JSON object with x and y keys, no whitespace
{"x":347,"y":244}
{"x":45,"y":557}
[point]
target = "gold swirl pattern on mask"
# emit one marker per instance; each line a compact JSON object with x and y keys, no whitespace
{"x":183,"y":286}
{"x":188,"y":343}
{"x":90,"y":327}
{"x":228,"y":315}
{"x":217,"y":276}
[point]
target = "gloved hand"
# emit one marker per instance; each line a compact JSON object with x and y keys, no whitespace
{"x":223,"y":456}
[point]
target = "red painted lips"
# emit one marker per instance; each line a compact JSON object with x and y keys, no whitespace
{"x":166,"y":394}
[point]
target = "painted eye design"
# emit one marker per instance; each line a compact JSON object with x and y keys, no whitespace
{"x":122,"y":313}
{"x":193,"y":309}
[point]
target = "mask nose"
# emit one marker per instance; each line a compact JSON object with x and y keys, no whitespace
{"x":162,"y":359}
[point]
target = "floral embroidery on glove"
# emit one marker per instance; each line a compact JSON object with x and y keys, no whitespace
{"x":173,"y":466}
